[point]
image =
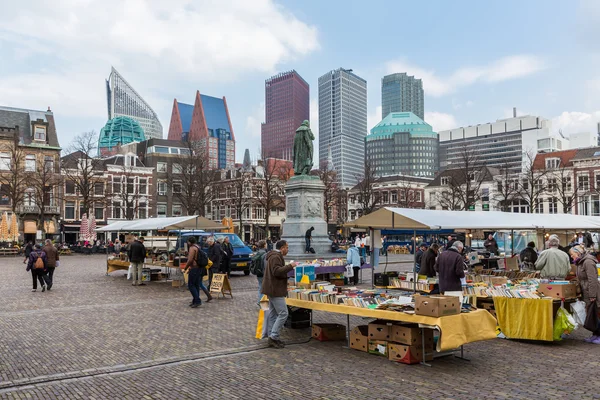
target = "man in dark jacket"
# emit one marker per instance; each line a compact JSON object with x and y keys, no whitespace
{"x":450,"y":242}
{"x":137,"y":255}
{"x":274,"y":285}
{"x":257,"y":267}
{"x":51,"y":259}
{"x":214,"y":254}
{"x":419,"y":254}
{"x":450,"y":268}
{"x":428,"y":261}
{"x":528,"y":257}
{"x":491,"y":245}
{"x":195,"y":274}
{"x":40,"y":274}
{"x":225,"y":267}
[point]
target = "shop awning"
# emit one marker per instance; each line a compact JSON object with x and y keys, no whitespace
{"x":165,"y":223}
{"x":409,"y":218}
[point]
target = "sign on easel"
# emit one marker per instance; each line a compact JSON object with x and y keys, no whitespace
{"x":220,"y":285}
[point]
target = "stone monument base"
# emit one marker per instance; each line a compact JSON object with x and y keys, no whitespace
{"x":304,"y":209}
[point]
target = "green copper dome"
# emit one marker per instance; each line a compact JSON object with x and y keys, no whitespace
{"x":120,"y":131}
{"x":401,"y":122}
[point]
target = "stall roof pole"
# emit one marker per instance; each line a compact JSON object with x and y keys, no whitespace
{"x":415,"y":261}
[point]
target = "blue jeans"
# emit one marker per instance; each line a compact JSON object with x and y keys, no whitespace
{"x":278,"y":314}
{"x":260,"y":295}
{"x":307,"y":240}
{"x":195,"y":284}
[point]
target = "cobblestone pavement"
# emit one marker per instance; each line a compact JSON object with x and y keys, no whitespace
{"x":97,"y":337}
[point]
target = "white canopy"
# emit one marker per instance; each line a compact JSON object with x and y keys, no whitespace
{"x":163,"y":223}
{"x":409,"y":218}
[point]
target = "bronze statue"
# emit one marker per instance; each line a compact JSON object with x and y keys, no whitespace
{"x":303,"y":150}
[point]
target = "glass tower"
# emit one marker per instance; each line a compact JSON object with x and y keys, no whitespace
{"x":343,"y":123}
{"x":402,"y":93}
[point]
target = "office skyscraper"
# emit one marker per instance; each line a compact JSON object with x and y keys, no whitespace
{"x":343,"y":123}
{"x":124,"y":101}
{"x":287,"y":105}
{"x":402,"y":93}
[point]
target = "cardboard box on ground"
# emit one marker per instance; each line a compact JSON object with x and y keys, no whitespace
{"x":328,"y":332}
{"x":437,"y":306}
{"x":409,"y":354}
{"x":359,"y":338}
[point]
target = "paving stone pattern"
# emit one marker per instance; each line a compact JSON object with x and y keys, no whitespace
{"x":97,"y":337}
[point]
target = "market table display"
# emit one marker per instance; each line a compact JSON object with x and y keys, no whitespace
{"x":455,"y":330}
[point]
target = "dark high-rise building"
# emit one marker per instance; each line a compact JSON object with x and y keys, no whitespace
{"x":402,"y":93}
{"x":287,"y":105}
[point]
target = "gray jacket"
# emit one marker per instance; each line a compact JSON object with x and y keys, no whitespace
{"x":554,"y":263}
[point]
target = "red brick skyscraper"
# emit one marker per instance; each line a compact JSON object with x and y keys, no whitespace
{"x":287,"y":104}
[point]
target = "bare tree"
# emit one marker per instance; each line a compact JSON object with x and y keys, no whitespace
{"x":14,"y":179}
{"x":271,"y":186}
{"x":406,"y":195}
{"x":368,"y":197}
{"x":507,"y":188}
{"x":329,"y":179}
{"x":45,"y":182}
{"x":341,"y":205}
{"x":241,"y":197}
{"x":532,"y":185}
{"x":83,"y":169}
{"x":192,"y":183}
{"x":449,"y":198}
{"x":468,"y":178}
{"x":560,"y":184}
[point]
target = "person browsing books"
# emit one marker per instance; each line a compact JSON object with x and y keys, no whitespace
{"x":450,"y":266}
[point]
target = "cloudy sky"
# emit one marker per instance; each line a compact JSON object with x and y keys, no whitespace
{"x":477,"y":59}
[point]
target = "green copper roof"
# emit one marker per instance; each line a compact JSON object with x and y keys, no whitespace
{"x":120,"y":131}
{"x":402,"y":122}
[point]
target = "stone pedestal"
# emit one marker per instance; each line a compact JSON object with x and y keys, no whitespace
{"x":304,"y":208}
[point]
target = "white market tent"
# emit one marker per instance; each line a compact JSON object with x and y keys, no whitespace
{"x":163,"y":223}
{"x":409,"y":218}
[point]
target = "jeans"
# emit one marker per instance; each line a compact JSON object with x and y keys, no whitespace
{"x":39,"y":275}
{"x":260,"y":295}
{"x":278,"y":314}
{"x":194,"y":283}
{"x":136,"y":272}
{"x":51,"y":274}
{"x":307,"y":240}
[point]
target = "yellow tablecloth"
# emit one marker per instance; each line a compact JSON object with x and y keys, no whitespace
{"x":525,"y":318}
{"x":455,"y":330}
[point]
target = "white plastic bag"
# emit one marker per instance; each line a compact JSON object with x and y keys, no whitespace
{"x":129,"y":272}
{"x":579,"y":313}
{"x":349,"y":271}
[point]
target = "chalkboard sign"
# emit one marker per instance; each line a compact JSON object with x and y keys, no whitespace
{"x":220,"y":285}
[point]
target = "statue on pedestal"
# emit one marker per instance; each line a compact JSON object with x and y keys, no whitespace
{"x":303,"y":149}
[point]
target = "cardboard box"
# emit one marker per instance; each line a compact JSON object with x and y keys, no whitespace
{"x":437,"y":306}
{"x":558,"y":291}
{"x":378,"y":347}
{"x":498,"y":280}
{"x":176,"y":283}
{"x":328,"y":332}
{"x":409,"y":354}
{"x":410,"y":335}
{"x":380,"y":330}
{"x":359,"y":338}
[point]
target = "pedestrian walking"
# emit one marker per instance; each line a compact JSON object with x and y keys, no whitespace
{"x":196,"y":268}
{"x":258,"y":266}
{"x":553,"y":262}
{"x":308,"y":238}
{"x":28,"y":249}
{"x":52,"y":261}
{"x":214,"y":254}
{"x":37,"y":266}
{"x":225,"y":267}
{"x":587,"y":276}
{"x":353,"y":258}
{"x":275,"y":286}
{"x":450,"y":267}
{"x":137,"y":255}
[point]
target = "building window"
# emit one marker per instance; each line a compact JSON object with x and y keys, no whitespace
{"x":597,"y":182}
{"x":445,"y":180}
{"x":394,"y":197}
{"x":30,"y":163}
{"x":583,"y":183}
{"x":539,"y":206}
{"x":98,"y":189}
{"x":142,"y":211}
{"x":98,"y":212}
{"x":143,"y":186}
{"x":161,"y":210}
{"x":418,"y":196}
{"x":117,"y":210}
{"x":177,"y":211}
{"x":161,"y":167}
{"x":566,"y":184}
{"x":177,"y":188}
{"x":40,"y":133}
{"x":386,"y":198}
{"x":552,"y":185}
{"x":117,"y":184}
{"x":70,"y":210}
{"x":552,"y":163}
{"x":177,"y":169}
{"x":5,"y":162}
{"x":49,"y":164}
{"x":130,"y":185}
{"x":485,"y":194}
{"x":162,"y":189}
{"x":69,"y":187}
{"x":553,"y":205}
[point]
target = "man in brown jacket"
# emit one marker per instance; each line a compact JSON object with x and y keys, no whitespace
{"x":51,"y":259}
{"x":275,"y":287}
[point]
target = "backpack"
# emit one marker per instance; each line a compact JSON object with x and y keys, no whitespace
{"x":201,"y":258}
{"x":259,"y":262}
{"x":39,"y":263}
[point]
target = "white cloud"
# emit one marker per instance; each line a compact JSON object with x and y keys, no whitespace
{"x":440,"y":121}
{"x":503,"y":69}
{"x":574,"y":122}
